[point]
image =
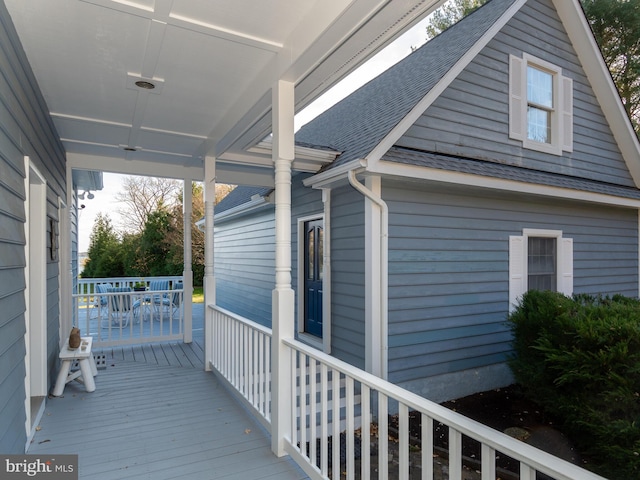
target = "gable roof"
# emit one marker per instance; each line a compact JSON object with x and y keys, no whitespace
{"x":359,"y":123}
{"x":367,"y":124}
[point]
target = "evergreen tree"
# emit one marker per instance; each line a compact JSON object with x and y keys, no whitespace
{"x":105,"y":254}
{"x":450,"y":13}
{"x":616,"y":26}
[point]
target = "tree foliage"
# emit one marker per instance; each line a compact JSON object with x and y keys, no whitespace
{"x":142,"y":196}
{"x":450,"y":13}
{"x":616,"y":27}
{"x":105,"y":259}
{"x":156,"y":246}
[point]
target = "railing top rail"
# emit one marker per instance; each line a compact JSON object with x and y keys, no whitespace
{"x":538,"y":459}
{"x":250,"y":323}
{"x":127,"y":279}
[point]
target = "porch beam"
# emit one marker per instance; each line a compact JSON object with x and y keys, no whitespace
{"x":282,"y":317}
{"x":209,"y":274}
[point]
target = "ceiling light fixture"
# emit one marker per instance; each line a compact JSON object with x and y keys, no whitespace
{"x":90,"y":196}
{"x":81,"y":196}
{"x":145,"y":85}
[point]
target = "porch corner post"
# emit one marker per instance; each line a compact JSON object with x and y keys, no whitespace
{"x":282,"y":315}
{"x":187,"y":273}
{"x":209,"y":275}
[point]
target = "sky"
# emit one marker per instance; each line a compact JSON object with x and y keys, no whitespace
{"x":105,"y":202}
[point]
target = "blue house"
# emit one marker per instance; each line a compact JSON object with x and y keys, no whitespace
{"x":494,"y":159}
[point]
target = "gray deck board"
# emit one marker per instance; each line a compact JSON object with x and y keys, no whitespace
{"x":156,"y":414}
{"x":158,"y":422}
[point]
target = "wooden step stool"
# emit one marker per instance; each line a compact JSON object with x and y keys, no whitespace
{"x":88,"y":368}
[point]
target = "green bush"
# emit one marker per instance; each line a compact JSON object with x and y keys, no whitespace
{"x":579,"y":358}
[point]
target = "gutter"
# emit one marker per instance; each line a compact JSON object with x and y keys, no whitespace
{"x":381,"y":324}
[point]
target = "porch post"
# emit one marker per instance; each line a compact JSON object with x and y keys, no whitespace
{"x":209,"y":275}
{"x":187,"y":274}
{"x":282,"y":316}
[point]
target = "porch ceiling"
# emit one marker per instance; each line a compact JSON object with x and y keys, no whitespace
{"x":213,"y":64}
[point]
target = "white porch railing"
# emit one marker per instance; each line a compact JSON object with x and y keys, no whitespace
{"x":327,"y":389}
{"x":241,"y":354}
{"x":115,"y":317}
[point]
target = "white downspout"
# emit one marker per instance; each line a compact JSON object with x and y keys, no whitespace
{"x":383,"y":369}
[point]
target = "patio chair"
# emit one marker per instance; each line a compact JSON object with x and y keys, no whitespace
{"x":170,"y":304}
{"x":120,"y":306}
{"x":156,"y":299}
{"x":101,"y":302}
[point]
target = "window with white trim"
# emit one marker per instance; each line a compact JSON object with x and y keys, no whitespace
{"x":539,"y":260}
{"x":540,"y":105}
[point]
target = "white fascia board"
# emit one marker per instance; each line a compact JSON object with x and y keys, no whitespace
{"x":333,"y":175}
{"x":584,"y":43}
{"x":400,"y":129}
{"x":444,"y":176}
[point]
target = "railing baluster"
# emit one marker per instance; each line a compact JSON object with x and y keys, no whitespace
{"x":383,"y":437}
{"x":427,"y":447}
{"x":488,"y":459}
{"x":351,"y":454}
{"x":324,"y":419}
{"x":455,"y":453}
{"x":335,"y":423}
{"x":526,"y":472}
{"x":365,"y":437}
{"x":302,"y":379}
{"x":403,"y":434}
{"x":313,"y":413}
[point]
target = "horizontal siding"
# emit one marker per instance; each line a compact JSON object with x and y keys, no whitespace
{"x":26,"y":129}
{"x":347,"y":276}
{"x":244,"y":265}
{"x":471,"y":117}
{"x":448,"y":270}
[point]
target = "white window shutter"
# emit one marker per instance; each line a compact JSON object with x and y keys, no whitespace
{"x":566,"y":113}
{"x":517,"y":98}
{"x":517,"y":280}
{"x":566,"y":267}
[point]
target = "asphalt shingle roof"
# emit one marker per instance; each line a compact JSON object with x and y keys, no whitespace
{"x":239,"y":196}
{"x":358,"y":123}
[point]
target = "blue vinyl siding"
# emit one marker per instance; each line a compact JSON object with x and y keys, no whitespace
{"x":25,"y":130}
{"x":448,"y":270}
{"x":471,"y":117}
{"x":244,"y":264}
{"x":347,"y":276}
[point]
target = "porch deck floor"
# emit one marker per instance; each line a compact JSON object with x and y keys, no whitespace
{"x":152,"y":418}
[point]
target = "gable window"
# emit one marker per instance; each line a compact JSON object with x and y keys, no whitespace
{"x":540,"y":105}
{"x":539,"y":260}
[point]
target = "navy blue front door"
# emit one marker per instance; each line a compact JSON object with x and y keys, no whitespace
{"x":313,"y":277}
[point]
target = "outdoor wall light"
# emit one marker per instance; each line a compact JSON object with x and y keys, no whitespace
{"x":88,"y":193}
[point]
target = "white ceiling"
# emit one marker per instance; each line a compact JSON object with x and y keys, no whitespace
{"x":213,"y":63}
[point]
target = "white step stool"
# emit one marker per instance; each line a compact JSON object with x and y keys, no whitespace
{"x":87,"y":371}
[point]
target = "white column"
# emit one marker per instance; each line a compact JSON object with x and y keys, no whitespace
{"x":187,"y":274}
{"x":209,"y":275}
{"x":282,"y":317}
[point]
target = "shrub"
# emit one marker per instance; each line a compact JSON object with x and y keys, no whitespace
{"x":579,"y":358}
